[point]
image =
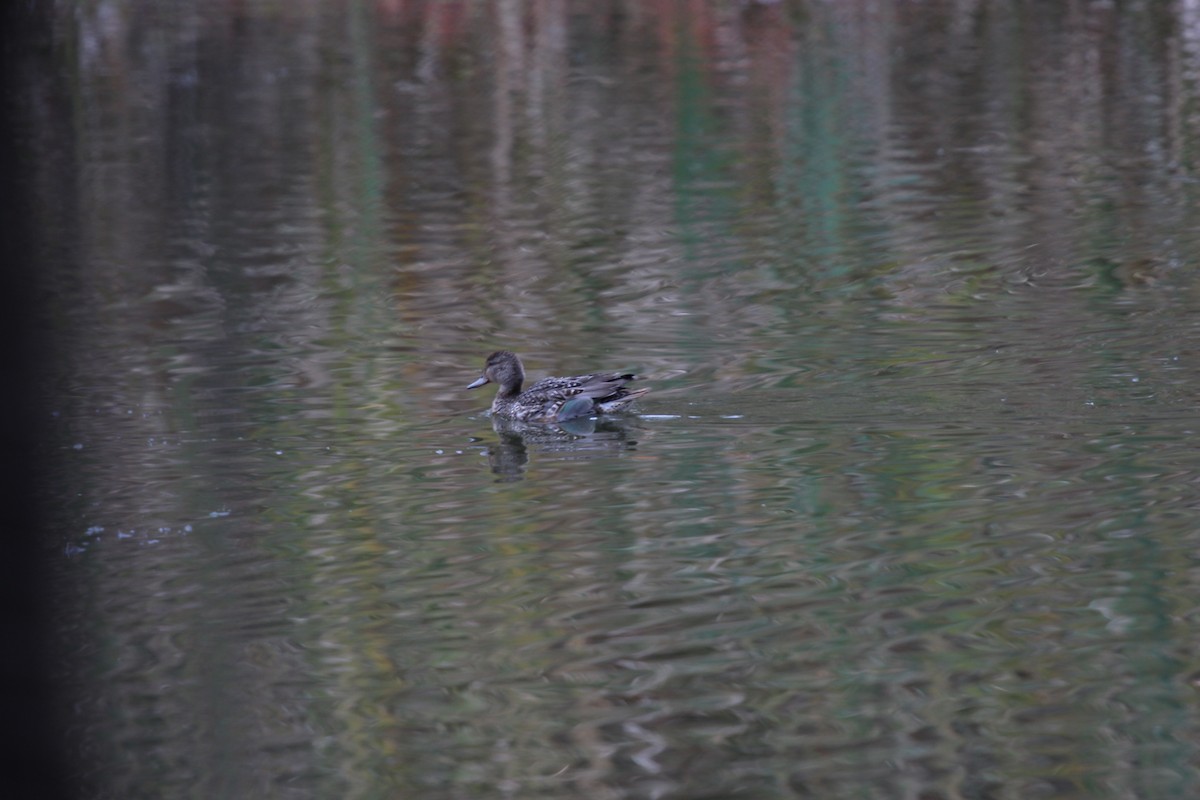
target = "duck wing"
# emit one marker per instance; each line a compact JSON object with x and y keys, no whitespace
{"x":579,"y":395}
{"x":598,"y":386}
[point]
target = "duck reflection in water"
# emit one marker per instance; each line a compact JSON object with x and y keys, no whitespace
{"x":575,"y":440}
{"x":564,"y":417}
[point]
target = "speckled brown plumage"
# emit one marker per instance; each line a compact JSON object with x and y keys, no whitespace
{"x":554,"y":399}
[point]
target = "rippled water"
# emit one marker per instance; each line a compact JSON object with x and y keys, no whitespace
{"x":910,"y":511}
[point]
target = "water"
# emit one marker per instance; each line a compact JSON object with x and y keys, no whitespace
{"x":910,"y":511}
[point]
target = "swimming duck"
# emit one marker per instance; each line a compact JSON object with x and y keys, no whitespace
{"x":553,"y":399}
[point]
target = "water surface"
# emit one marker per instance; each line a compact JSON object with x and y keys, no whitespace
{"x":910,"y":511}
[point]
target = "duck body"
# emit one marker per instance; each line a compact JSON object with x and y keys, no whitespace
{"x":553,"y":399}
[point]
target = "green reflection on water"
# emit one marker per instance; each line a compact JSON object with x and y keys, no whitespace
{"x":911,"y":508}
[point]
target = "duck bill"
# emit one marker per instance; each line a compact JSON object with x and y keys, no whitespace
{"x":479,"y":382}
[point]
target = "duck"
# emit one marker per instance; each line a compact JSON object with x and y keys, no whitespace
{"x":553,"y":399}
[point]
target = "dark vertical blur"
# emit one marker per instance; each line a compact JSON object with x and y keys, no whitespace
{"x":33,"y":739}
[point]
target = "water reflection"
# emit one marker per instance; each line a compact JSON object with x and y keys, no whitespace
{"x":910,"y":511}
{"x":586,"y":437}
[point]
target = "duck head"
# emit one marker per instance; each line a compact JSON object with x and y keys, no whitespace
{"x":505,"y":369}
